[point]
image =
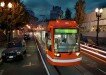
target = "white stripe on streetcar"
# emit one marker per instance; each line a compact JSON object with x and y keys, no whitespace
{"x":65,"y":60}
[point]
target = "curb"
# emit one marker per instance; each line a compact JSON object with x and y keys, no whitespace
{"x":0,"y":56}
{"x":1,"y":61}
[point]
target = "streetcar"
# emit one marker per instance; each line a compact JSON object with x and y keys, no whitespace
{"x":62,"y":43}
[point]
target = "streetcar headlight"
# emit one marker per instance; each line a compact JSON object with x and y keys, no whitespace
{"x":78,"y":54}
{"x":57,"y":54}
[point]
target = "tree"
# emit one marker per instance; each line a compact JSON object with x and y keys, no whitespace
{"x":67,"y":14}
{"x":13,"y":18}
{"x":10,"y":17}
{"x":80,"y":12}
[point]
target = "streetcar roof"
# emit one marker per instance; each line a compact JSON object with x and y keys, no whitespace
{"x":62,"y":24}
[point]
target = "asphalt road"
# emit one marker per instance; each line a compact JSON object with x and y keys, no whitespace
{"x":30,"y":65}
{"x":96,"y":68}
{"x":87,"y":67}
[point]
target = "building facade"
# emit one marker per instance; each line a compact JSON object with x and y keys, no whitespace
{"x":90,"y":25}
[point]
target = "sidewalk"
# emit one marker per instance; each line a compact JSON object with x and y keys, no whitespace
{"x":2,"y":47}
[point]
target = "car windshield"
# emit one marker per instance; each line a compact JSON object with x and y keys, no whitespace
{"x":66,"y":40}
{"x":13,"y":44}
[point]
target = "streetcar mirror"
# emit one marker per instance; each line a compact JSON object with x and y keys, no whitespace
{"x":50,"y":47}
{"x":47,"y":35}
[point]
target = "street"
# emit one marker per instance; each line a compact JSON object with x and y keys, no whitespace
{"x":52,"y":37}
{"x":30,"y":65}
{"x":87,"y":67}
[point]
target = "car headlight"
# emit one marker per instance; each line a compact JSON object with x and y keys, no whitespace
{"x":18,"y":53}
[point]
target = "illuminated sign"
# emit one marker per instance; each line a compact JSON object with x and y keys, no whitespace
{"x":65,"y":30}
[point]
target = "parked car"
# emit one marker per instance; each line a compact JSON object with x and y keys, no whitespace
{"x":15,"y":50}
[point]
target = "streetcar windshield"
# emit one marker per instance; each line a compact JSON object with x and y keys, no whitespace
{"x":66,"y":40}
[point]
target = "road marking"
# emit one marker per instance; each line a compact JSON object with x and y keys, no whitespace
{"x":43,"y":61}
{"x":101,"y":71}
{"x":28,"y":55}
{"x":28,"y":65}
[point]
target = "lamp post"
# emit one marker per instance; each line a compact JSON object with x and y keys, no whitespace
{"x":10,"y":30}
{"x":98,"y":15}
{"x":6,"y":9}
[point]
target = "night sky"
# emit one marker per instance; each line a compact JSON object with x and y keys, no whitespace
{"x":43,"y":7}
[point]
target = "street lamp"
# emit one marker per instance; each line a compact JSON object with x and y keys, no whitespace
{"x":9,"y":5}
{"x":98,"y":15}
{"x":2,"y":4}
{"x":6,"y":7}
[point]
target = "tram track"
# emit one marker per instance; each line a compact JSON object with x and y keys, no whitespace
{"x":75,"y":70}
{"x":94,"y":67}
{"x":61,"y":70}
{"x":82,"y":73}
{"x":101,"y":71}
{"x":59,"y":73}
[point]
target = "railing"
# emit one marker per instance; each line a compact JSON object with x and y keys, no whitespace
{"x":94,"y":53}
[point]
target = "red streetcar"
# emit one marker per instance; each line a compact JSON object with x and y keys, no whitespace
{"x":62,"y":43}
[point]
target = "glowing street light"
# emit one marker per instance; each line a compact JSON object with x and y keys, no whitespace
{"x":2,"y":4}
{"x":98,"y":15}
{"x":9,"y":5}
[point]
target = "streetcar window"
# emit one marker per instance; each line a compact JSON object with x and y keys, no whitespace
{"x":48,"y":40}
{"x":65,"y":41}
{"x":65,"y":31}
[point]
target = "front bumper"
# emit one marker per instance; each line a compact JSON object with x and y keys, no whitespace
{"x":12,"y":57}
